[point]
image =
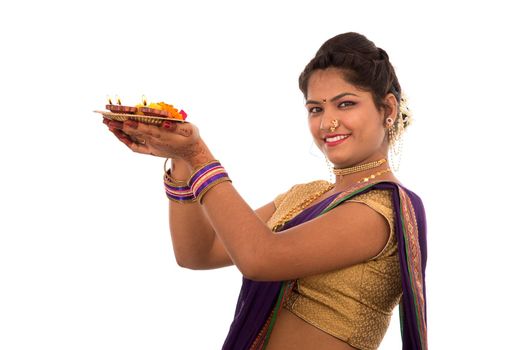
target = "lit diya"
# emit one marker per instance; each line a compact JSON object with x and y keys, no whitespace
{"x":150,"y":113}
{"x":118,"y":108}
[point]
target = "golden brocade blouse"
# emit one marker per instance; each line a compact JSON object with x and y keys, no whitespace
{"x":353,"y":304}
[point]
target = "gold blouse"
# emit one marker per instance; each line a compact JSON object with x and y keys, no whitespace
{"x":353,"y":304}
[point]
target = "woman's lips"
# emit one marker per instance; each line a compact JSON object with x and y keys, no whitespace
{"x":333,"y":140}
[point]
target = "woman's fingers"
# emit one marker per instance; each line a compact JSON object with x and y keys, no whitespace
{"x":113,"y":124}
{"x":169,"y":125}
{"x":117,"y":127}
{"x":132,"y":127}
{"x":121,"y":136}
{"x":170,"y":139}
{"x":183,"y":129}
{"x":134,"y":143}
{"x":153,"y":132}
{"x":186,"y":129}
{"x":139,"y":148}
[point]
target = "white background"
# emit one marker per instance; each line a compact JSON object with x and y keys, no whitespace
{"x":85,"y":254}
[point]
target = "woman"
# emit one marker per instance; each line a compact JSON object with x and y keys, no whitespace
{"x":323,"y":264}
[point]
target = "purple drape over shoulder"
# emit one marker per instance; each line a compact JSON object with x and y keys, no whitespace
{"x":258,"y":301}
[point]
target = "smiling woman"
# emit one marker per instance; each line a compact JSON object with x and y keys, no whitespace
{"x":324,"y":264}
{"x":356,"y":131}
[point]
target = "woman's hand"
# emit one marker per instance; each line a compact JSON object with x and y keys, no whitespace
{"x":171,"y":140}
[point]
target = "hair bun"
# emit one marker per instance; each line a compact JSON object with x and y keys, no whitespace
{"x":382,"y":54}
{"x":363,"y":64}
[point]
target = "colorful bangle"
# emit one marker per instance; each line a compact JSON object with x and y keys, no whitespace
{"x":177,"y":190}
{"x":206,"y":177}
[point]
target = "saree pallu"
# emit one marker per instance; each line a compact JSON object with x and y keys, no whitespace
{"x":259,"y":302}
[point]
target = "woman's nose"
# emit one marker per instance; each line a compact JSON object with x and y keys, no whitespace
{"x":329,"y":124}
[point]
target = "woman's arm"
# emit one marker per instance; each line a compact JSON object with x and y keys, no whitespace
{"x":347,"y":235}
{"x":195,"y":243}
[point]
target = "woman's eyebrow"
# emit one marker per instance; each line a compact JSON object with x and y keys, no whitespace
{"x":332,"y":99}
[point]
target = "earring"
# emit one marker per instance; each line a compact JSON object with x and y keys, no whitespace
{"x":395,"y":142}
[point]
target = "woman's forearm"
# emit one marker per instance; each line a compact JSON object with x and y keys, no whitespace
{"x":194,"y":241}
{"x":243,"y":233}
{"x":191,"y":234}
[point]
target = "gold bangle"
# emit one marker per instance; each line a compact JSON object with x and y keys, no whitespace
{"x":168,"y":178}
{"x":192,"y":201}
{"x":200,"y":168}
{"x":210,"y":186}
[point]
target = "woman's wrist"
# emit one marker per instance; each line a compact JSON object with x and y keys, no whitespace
{"x":193,"y":172}
{"x":180,"y":170}
{"x":199,"y":156}
{"x":186,"y":160}
{"x":176,"y":182}
{"x":205,"y":177}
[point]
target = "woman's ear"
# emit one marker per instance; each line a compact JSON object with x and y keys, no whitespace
{"x":391,"y":107}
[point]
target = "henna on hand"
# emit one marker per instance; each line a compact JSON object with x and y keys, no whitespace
{"x":190,"y":151}
{"x":184,"y":131}
{"x":195,"y":155}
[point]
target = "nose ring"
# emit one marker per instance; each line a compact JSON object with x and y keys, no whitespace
{"x":334,"y":125}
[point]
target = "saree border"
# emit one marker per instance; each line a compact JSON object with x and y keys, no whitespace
{"x":414,"y":263}
{"x":263,"y":336}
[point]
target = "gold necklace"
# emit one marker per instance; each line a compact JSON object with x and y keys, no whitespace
{"x":358,"y":168}
{"x":302,"y":205}
{"x":373,"y":176}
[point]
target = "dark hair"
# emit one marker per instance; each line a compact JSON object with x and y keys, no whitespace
{"x":364,"y":65}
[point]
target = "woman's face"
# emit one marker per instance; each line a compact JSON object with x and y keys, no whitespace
{"x":360,"y":135}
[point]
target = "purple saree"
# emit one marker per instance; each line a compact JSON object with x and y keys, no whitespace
{"x":259,"y":302}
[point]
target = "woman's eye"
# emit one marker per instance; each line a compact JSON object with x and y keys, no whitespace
{"x":346,"y":104}
{"x":315,"y":110}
